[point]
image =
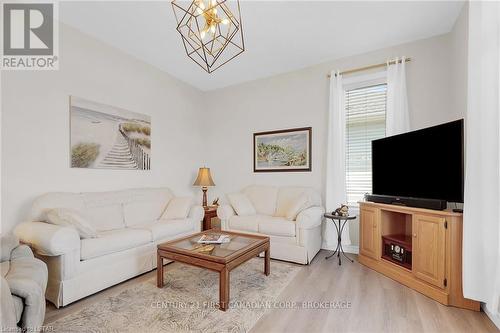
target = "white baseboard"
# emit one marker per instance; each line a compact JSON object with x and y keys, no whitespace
{"x":495,"y":318}
{"x":347,"y":248}
{"x":354,"y":249}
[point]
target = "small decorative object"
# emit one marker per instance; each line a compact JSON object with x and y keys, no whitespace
{"x":204,"y":248}
{"x":283,"y":150}
{"x":204,"y":180}
{"x":343,"y":210}
{"x":215,"y":202}
{"x":107,"y":137}
{"x":211,"y":31}
{"x":214,"y":239}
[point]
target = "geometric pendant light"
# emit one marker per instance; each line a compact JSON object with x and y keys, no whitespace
{"x":211,"y":31}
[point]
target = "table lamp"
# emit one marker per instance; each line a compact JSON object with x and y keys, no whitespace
{"x":204,"y":180}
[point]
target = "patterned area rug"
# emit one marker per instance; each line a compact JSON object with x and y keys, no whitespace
{"x":187,"y":303}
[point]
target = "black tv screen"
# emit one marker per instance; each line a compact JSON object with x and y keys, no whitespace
{"x":427,"y":163}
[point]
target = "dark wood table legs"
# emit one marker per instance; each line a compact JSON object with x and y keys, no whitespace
{"x":159,"y":271}
{"x":267,"y":262}
{"x":224,"y":289}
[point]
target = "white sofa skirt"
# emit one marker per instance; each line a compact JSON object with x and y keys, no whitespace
{"x":93,"y":275}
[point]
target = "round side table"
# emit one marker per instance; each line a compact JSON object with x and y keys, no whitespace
{"x":339,"y":223}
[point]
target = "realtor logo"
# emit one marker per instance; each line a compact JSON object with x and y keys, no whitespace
{"x":29,"y":38}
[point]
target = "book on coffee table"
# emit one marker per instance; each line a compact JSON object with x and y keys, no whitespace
{"x":214,"y":239}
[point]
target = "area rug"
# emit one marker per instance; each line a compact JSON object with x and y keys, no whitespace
{"x":187,"y":303}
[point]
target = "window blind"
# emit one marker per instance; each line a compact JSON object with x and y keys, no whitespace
{"x":365,"y":121}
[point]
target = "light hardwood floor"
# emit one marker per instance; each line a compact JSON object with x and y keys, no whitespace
{"x":377,"y":304}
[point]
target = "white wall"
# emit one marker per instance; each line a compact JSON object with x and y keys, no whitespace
{"x":35,"y":120}
{"x":459,"y":36}
{"x":300,"y":98}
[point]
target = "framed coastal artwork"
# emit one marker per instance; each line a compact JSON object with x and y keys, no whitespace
{"x":283,"y":150}
{"x":107,"y":137}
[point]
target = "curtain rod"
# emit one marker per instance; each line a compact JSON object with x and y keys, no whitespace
{"x":359,"y":69}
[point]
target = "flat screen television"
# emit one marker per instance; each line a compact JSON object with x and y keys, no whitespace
{"x":423,"y":164}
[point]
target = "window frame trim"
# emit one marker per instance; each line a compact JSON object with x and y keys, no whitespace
{"x":366,"y":80}
{"x":356,"y":82}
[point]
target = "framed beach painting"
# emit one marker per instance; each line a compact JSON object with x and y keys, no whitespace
{"x":283,"y":150}
{"x":106,"y":137}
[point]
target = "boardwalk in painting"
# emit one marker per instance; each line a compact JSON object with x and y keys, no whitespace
{"x":106,"y":137}
{"x":119,"y":157}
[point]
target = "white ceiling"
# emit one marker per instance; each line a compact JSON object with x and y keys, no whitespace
{"x":280,"y":36}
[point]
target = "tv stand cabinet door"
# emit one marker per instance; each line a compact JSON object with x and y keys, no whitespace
{"x":429,"y":238}
{"x":369,"y":232}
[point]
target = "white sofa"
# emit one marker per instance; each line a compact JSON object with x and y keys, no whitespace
{"x":295,"y":240}
{"x":128,"y":228}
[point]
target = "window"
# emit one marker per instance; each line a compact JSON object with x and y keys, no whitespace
{"x":365,"y":121}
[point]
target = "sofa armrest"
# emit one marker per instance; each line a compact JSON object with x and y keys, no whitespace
{"x":310,"y":218}
{"x":22,"y":251}
{"x":197,"y":213}
{"x":224,"y":212}
{"x":8,"y":320}
{"x":48,"y":239}
{"x":27,"y":279}
{"x":7,"y":244}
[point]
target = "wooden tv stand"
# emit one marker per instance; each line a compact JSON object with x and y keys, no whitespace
{"x":436,"y":242}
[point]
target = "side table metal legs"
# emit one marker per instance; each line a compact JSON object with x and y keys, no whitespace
{"x":339,"y":249}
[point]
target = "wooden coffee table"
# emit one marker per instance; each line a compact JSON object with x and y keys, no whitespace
{"x":222,"y":258}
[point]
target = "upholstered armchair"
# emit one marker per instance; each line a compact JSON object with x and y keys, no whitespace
{"x":23,"y":282}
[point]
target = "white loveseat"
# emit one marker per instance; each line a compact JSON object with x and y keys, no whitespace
{"x":128,"y":230}
{"x":296,"y":240}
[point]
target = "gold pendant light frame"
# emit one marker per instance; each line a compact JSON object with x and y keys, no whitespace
{"x":211,"y":31}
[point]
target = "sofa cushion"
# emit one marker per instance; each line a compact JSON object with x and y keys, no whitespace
{"x":244,"y":223}
{"x":163,"y":229}
{"x":286,"y":198}
{"x":105,"y":209}
{"x":69,"y":217}
{"x":298,"y":205}
{"x":145,"y":205}
{"x":177,"y":208}
{"x":276,"y":226}
{"x":263,"y":198}
{"x":113,"y":241}
{"x":106,"y":217}
{"x":241,"y":204}
{"x":48,"y":201}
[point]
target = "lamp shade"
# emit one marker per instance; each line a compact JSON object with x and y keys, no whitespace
{"x":204,"y":178}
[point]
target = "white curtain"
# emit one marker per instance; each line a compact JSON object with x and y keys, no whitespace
{"x":397,"y":113}
{"x":335,"y":193}
{"x":481,"y":243}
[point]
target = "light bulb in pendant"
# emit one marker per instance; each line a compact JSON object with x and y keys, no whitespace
{"x":200,"y":7}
